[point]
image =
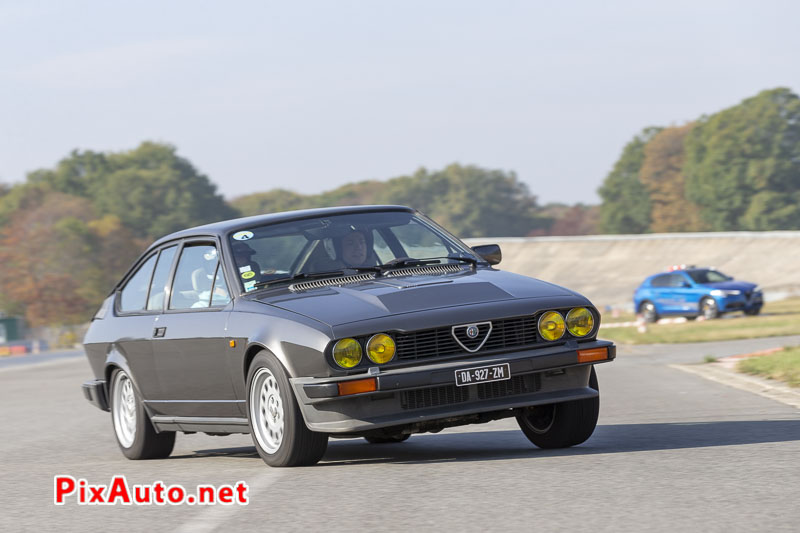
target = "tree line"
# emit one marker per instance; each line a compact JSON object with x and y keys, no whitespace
{"x":68,"y":233}
{"x":738,"y":169}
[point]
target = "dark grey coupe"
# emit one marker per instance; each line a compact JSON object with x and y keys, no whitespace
{"x":360,"y":321}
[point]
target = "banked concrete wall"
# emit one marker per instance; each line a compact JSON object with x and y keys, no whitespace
{"x":608,"y":268}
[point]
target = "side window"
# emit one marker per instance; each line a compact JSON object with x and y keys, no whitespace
{"x":220,"y":294}
{"x":133,"y":296}
{"x":660,"y":281}
{"x":677,"y":281}
{"x":158,"y":287}
{"x":194,"y":277}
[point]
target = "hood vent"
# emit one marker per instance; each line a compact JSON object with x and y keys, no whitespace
{"x":321,"y":283}
{"x":430,"y":270}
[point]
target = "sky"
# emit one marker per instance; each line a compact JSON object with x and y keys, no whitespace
{"x":308,"y":96}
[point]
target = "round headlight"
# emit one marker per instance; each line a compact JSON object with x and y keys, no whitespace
{"x":551,"y":326}
{"x":580,"y":321}
{"x":347,"y":353}
{"x":380,"y":348}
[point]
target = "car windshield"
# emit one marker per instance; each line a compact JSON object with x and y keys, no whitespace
{"x":337,"y":244}
{"x":708,"y":276}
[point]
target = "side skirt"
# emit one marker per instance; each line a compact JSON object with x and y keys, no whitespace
{"x":201,"y":424}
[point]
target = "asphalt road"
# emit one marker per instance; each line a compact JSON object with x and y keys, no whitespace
{"x":672,"y":452}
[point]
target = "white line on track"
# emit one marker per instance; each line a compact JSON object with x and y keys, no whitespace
{"x":208,"y":519}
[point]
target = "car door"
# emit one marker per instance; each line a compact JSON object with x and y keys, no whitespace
{"x":133,"y":326}
{"x":681,"y":292}
{"x":190,"y":345}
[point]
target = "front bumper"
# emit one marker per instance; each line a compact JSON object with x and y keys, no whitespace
{"x":428,"y":392}
{"x":95,"y":391}
{"x":740,"y":302}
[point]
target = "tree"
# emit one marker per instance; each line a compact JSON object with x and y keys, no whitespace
{"x":743,"y":164}
{"x":151,"y":189}
{"x":662,"y":176}
{"x":471,"y":201}
{"x":626,"y":202}
{"x":59,"y":262}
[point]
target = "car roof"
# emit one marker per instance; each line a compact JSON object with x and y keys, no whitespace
{"x":220,"y":229}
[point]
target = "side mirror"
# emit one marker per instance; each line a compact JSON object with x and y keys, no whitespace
{"x":489,"y":252}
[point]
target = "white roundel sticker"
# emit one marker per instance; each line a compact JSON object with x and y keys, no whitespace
{"x":243,"y":235}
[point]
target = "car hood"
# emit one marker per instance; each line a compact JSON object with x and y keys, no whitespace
{"x":731,"y":285}
{"x":390,"y":296}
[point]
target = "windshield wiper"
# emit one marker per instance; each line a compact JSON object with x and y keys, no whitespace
{"x":304,"y":275}
{"x":406,"y":262}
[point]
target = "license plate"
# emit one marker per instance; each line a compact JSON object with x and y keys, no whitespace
{"x":482,"y":374}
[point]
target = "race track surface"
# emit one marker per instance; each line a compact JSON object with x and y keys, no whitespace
{"x":672,"y":451}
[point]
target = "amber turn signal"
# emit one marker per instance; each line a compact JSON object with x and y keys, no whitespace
{"x":593,"y":354}
{"x":358,"y":386}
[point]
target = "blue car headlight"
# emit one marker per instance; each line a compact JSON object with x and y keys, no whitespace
{"x":724,"y":293}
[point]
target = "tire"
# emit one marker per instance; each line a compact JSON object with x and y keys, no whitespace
{"x":561,"y":425}
{"x":276,"y":423}
{"x":388,"y":440}
{"x":648,"y":311}
{"x":708,"y":308}
{"x":136,"y":436}
{"x":691,"y":317}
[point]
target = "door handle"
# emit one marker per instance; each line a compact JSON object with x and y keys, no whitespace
{"x":159,"y":332}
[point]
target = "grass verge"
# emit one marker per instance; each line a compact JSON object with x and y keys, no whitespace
{"x":782,"y":366}
{"x":777,"y":318}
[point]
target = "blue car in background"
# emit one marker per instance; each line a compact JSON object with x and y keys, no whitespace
{"x":692,"y":292}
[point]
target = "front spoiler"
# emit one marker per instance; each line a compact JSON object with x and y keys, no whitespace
{"x":562,"y":378}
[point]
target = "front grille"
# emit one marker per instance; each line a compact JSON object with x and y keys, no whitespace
{"x":433,"y":397}
{"x":506,"y":333}
{"x":509,"y":387}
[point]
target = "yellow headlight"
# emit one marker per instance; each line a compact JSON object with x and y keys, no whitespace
{"x":347,"y":353}
{"x":580,"y":321}
{"x":380,"y":348}
{"x":551,"y":326}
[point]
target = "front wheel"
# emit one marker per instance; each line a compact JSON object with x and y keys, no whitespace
{"x":136,"y":436}
{"x":276,"y":423}
{"x":561,"y":425}
{"x":708,"y":306}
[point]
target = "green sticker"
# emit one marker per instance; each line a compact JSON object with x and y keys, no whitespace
{"x":248,"y":275}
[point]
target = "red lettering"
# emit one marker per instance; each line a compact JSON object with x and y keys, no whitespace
{"x":158,"y":489}
{"x":97,"y":494}
{"x":175,"y":494}
{"x":119,"y":490}
{"x":205,"y":494}
{"x":226,"y":494}
{"x":141,"y":494}
{"x":64,"y":486}
{"x":241,"y":489}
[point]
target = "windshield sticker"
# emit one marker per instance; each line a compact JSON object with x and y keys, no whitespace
{"x":244,"y":269}
{"x":248,"y":275}
{"x":243,"y":235}
{"x":250,"y":285}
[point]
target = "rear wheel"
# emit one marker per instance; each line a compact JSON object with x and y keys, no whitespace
{"x":276,"y":423}
{"x":708,"y":306}
{"x":561,"y":425}
{"x":648,"y":311}
{"x":136,"y":436}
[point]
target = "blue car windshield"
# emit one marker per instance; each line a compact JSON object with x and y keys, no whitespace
{"x":334,"y":243}
{"x":707,"y":276}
